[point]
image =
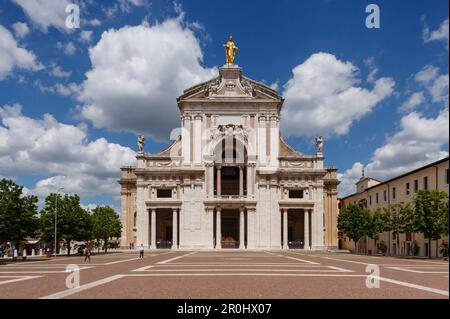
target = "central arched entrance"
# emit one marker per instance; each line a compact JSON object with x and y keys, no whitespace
{"x":230,"y":168}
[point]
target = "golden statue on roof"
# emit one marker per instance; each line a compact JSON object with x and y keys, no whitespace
{"x":230,"y":50}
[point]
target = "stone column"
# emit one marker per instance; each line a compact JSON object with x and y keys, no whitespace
{"x":197,"y":139}
{"x":218,"y":229}
{"x":153,"y":229}
{"x":210,"y":169}
{"x":262,"y":139}
{"x":250,"y":180}
{"x":209,"y":228}
{"x":306,"y":229}
{"x":241,"y":181}
{"x":186,"y":139}
{"x":274,"y":140}
{"x":285,"y":228}
{"x":174,"y":229}
{"x":141,"y":217}
{"x":317,"y":221}
{"x":241,"y":228}
{"x":219,"y":181}
{"x":251,"y":224}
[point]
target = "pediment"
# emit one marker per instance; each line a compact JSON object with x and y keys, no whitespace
{"x":230,"y":84}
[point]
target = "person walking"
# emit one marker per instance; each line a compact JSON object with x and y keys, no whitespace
{"x":87,"y":254}
{"x":141,"y":252}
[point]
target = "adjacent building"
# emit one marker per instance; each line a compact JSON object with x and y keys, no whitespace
{"x":373,"y":194}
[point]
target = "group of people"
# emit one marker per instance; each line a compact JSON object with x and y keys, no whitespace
{"x":87,"y":253}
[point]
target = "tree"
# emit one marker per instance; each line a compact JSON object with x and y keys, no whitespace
{"x":17,"y":212}
{"x":430,"y":215}
{"x":73,"y":222}
{"x":378,"y":223}
{"x":399,"y":220}
{"x":353,"y":220}
{"x":105,"y":224}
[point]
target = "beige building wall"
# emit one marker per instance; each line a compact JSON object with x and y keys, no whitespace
{"x":401,"y":189}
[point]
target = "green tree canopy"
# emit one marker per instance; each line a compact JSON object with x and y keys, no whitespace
{"x":378,"y":223}
{"x":105,"y":224}
{"x":73,"y":222}
{"x":399,"y":218}
{"x":430,"y":215}
{"x":354,"y":221}
{"x":17,"y":212}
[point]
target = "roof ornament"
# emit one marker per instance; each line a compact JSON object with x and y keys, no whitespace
{"x":230,"y":50}
{"x":140,"y":144}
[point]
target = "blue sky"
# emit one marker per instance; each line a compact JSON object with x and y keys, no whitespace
{"x":383,"y":103}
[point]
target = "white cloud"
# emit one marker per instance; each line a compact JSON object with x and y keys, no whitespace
{"x":124,"y":6}
{"x":63,"y":89}
{"x":427,"y":74}
{"x":440,"y":34}
{"x":46,"y":13}
{"x":323,"y":97}
{"x":12,"y":56}
{"x":66,"y":90}
{"x":439,"y":89}
{"x":68,"y":48}
{"x":275,"y":85}
{"x":414,"y":100}
{"x":86,"y":35}
{"x":370,"y":63}
{"x":58,"y":72}
{"x":348,"y":179}
{"x":20,"y":29}
{"x":89,"y":207}
{"x":46,"y":146}
{"x":435,"y":83}
{"x":137,"y":72}
{"x":418,"y":142}
{"x":94,"y":22}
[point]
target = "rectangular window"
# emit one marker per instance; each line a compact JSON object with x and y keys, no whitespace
{"x":385,"y":196}
{"x":164,"y":193}
{"x":447,"y":177}
{"x":376,"y":198}
{"x":416,"y":186}
{"x":394,"y":192}
{"x":295,"y":193}
{"x":425,"y":182}
{"x":370,"y":200}
{"x":408,"y":191}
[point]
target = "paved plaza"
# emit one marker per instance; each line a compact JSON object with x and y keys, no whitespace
{"x":226,"y":274}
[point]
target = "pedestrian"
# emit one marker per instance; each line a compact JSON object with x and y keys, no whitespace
{"x":141,"y":252}
{"x":87,"y":254}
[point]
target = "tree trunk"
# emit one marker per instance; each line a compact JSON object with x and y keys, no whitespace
{"x":429,"y":247}
{"x":106,"y":245}
{"x":437,"y":248}
{"x":68,"y":247}
{"x":389,"y":243}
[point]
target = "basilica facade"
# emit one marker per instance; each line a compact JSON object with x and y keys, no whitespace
{"x":229,"y":180}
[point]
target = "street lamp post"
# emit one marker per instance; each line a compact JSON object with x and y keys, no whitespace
{"x":56,"y":215}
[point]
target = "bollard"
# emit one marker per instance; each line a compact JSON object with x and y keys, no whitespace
{"x":40,"y":252}
{"x":15,"y":253}
{"x":32,"y":252}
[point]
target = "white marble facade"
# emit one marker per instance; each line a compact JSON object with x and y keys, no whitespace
{"x":229,"y":180}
